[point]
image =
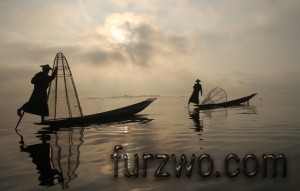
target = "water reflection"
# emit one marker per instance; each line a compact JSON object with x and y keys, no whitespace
{"x":57,"y":156}
{"x":140,"y":119}
{"x":198,"y":123}
{"x":199,"y":116}
{"x":195,"y":116}
{"x":246,"y":109}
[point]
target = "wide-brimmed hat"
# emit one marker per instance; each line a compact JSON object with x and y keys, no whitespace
{"x":46,"y":66}
{"x":198,"y":80}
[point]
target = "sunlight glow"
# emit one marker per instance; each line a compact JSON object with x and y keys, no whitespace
{"x":121,"y":27}
{"x":119,"y":35}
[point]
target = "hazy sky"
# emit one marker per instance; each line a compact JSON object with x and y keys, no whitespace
{"x":152,"y":46}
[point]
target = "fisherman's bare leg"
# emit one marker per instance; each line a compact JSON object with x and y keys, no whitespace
{"x":42,"y":118}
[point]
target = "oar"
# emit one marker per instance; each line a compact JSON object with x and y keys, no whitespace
{"x":20,"y":119}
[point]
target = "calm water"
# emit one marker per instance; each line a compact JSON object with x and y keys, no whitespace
{"x":80,"y":158}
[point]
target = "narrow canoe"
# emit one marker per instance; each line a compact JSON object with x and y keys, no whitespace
{"x":227,"y":103}
{"x":113,"y":115}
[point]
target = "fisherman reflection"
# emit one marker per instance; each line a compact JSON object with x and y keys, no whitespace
{"x":37,"y":103}
{"x":57,"y":157}
{"x":195,"y":116}
{"x":195,"y":95}
{"x":40,"y":154}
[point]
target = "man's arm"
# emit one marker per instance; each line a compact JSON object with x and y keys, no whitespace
{"x":54,"y":73}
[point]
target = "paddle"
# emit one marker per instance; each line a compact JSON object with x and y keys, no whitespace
{"x":20,"y":119}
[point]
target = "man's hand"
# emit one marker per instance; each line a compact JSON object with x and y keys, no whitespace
{"x":55,"y":70}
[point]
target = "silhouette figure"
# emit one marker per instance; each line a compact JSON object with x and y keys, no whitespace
{"x":37,"y":103}
{"x":195,"y":95}
{"x":40,"y":154}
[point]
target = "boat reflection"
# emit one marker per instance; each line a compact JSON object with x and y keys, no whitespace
{"x":246,"y":109}
{"x":57,"y":156}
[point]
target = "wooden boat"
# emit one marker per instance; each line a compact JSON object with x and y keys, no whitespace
{"x":64,"y":105}
{"x":108,"y":116}
{"x":227,"y":103}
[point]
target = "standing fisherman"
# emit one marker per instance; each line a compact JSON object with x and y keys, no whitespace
{"x":37,"y":103}
{"x":195,"y":95}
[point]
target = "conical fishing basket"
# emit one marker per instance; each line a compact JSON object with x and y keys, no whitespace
{"x":63,"y":101}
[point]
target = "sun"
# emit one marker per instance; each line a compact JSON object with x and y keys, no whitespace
{"x":119,"y":34}
{"x":121,"y":27}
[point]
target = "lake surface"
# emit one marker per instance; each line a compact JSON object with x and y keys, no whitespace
{"x":79,"y":158}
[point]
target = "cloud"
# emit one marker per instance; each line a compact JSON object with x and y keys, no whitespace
{"x":35,"y":20}
{"x":102,"y":57}
{"x":143,"y":44}
{"x":159,"y":47}
{"x":261,"y":40}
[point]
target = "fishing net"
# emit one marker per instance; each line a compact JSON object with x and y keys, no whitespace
{"x":63,"y":100}
{"x":65,"y":154}
{"x":216,"y":95}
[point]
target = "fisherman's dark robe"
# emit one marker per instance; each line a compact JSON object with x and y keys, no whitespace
{"x":37,"y":103}
{"x":195,"y":95}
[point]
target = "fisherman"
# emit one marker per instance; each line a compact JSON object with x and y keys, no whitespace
{"x":37,"y":103}
{"x":195,"y":95}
